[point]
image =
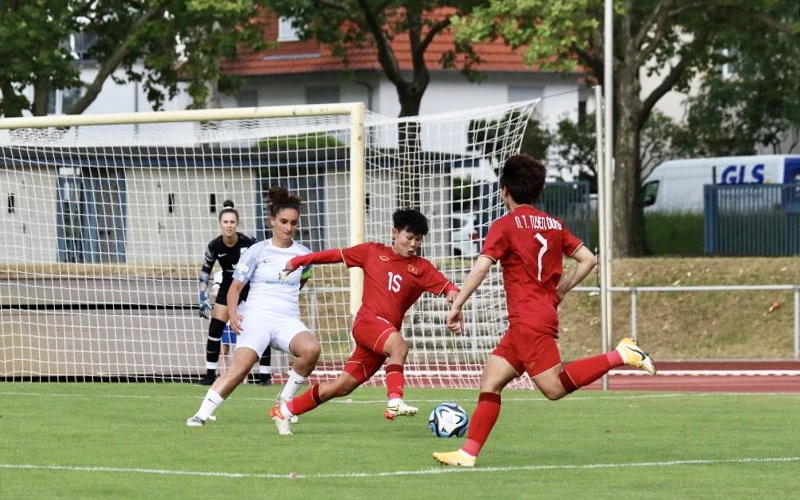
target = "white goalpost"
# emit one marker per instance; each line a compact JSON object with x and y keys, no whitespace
{"x":106,"y":217}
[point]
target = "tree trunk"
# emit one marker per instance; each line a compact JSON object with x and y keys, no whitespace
{"x":628,"y":215}
{"x":12,"y":103}
{"x":409,"y":145}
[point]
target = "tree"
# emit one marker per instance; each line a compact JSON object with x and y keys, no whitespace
{"x":678,"y":38}
{"x":375,"y":24}
{"x":748,"y":103}
{"x":154,"y":42}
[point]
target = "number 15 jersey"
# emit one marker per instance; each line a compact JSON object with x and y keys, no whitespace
{"x":392,"y":283}
{"x":529,"y":245}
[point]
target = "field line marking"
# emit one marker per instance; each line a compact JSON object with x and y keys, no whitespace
{"x":421,"y":472}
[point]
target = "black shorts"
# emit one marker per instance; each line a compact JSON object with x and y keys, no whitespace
{"x":222,"y":294}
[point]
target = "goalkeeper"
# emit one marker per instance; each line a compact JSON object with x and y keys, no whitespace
{"x":225,"y":249}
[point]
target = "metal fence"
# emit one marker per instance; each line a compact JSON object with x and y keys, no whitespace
{"x":752,"y":219}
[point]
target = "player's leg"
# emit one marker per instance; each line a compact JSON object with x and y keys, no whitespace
{"x":396,"y":351}
{"x":497,"y":373}
{"x":503,"y":366}
{"x":265,"y":367}
{"x":584,"y":371}
{"x":219,"y":317}
{"x":304,"y":346}
{"x":243,"y":359}
{"x":360,"y":367}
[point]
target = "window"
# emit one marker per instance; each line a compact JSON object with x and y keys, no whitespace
{"x":12,"y":203}
{"x":62,"y":100}
{"x":650,"y":193}
{"x":247,"y":98}
{"x":212,"y":203}
{"x":581,"y":111}
{"x":80,"y":43}
{"x":286,"y":32}
{"x":322,"y":95}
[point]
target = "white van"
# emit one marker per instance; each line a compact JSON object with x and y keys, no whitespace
{"x":677,"y":186}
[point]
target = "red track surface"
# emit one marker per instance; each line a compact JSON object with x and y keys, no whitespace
{"x":675,"y":376}
{"x":746,"y":381}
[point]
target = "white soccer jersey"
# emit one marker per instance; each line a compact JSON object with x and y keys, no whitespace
{"x":262,"y":266}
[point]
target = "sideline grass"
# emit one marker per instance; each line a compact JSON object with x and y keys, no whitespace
{"x":591,"y":445}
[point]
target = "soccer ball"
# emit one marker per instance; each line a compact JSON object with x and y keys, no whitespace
{"x":448,"y":420}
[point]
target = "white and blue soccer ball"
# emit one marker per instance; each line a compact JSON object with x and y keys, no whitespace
{"x":448,"y":420}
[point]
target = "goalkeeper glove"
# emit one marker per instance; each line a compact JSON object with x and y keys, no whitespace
{"x":205,"y":309}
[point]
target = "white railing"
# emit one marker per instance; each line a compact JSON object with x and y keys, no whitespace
{"x":634,"y":290}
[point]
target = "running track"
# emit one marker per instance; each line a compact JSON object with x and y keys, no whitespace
{"x":673,"y":376}
{"x":711,"y":376}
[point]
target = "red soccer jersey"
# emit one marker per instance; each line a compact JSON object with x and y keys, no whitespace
{"x":391,"y":283}
{"x":529,"y":245}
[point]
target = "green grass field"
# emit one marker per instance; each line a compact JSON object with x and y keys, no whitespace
{"x":129,"y":441}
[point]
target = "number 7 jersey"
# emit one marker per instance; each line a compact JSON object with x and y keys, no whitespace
{"x":530,"y":246}
{"x":392,"y":283}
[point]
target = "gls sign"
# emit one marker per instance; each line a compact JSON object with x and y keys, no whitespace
{"x":740,"y":174}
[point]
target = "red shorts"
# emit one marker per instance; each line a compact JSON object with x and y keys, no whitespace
{"x":370,"y":334}
{"x":528,"y":350}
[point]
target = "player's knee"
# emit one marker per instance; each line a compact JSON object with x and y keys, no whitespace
{"x":311,"y":352}
{"x":553,"y":393}
{"x":398,"y":353}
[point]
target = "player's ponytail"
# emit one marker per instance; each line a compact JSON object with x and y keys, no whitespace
{"x":227,"y":208}
{"x":280,"y":198}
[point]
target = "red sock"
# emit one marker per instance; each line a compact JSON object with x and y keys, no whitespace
{"x":483,"y":420}
{"x":585,"y":371}
{"x":395,"y":381}
{"x":305,"y":402}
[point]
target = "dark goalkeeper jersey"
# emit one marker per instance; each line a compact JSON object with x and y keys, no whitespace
{"x":218,"y":251}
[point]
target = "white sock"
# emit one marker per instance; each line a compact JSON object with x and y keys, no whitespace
{"x":210,"y":365}
{"x":263,"y":369}
{"x":210,"y":403}
{"x":292,"y":385}
{"x":285,"y":411}
{"x":395,"y":402}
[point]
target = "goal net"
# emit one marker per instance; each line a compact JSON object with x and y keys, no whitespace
{"x":106,"y":219}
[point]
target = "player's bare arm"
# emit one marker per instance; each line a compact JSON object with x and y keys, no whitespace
{"x":233,"y":300}
{"x":475,"y":277}
{"x":586,"y":261}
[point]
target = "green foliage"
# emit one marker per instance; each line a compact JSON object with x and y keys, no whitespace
{"x":674,"y":41}
{"x":674,"y":234}
{"x":466,"y":194}
{"x":735,"y":114}
{"x":304,"y":142}
{"x":155,"y":42}
{"x":575,"y":148}
{"x":371,"y":23}
{"x":487,"y":135}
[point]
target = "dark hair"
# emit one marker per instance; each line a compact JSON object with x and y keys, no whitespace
{"x":523,"y":176}
{"x":280,"y":198}
{"x":411,"y":220}
{"x":227,"y":208}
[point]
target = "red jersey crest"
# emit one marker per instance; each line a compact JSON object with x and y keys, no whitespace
{"x":413,"y":270}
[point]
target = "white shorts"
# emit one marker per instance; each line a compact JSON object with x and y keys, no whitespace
{"x":260,"y":330}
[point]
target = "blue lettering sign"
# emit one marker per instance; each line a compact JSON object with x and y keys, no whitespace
{"x":737,"y":174}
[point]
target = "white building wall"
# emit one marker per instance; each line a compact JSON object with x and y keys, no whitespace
{"x":154,"y":235}
{"x":30,"y":231}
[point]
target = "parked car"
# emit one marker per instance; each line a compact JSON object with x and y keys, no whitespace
{"x":464,"y":234}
